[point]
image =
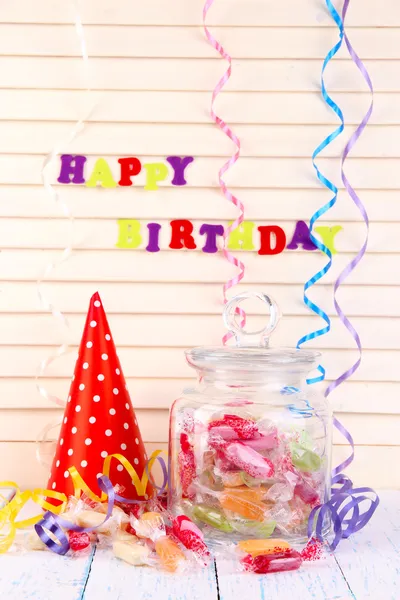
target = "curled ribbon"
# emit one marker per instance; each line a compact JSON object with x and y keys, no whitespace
{"x":346,"y":500}
{"x":328,"y":184}
{"x":228,"y":195}
{"x":52,"y":522}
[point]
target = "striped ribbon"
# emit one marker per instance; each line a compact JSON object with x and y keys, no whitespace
{"x":228,"y":195}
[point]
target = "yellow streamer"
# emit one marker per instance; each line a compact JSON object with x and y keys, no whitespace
{"x":10,"y":512}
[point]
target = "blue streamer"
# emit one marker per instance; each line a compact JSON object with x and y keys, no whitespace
{"x":328,"y":184}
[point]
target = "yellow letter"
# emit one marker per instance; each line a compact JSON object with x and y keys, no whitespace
{"x":155,"y":172}
{"x":101,"y":174}
{"x":328,"y":236}
{"x":241,"y":238}
{"x":129,"y":233}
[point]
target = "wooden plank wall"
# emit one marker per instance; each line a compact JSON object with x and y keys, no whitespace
{"x":151,"y":73}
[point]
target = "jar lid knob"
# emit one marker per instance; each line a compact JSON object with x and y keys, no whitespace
{"x":232,"y":313}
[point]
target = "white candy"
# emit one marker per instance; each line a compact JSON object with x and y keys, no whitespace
{"x":34,"y":542}
{"x":91,"y":518}
{"x":132,"y":553}
{"x":124,"y":536}
{"x":120,"y":516}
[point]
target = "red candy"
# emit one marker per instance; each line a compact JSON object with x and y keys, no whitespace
{"x":245,"y":429}
{"x":187,"y":465}
{"x":130,"y":530}
{"x":78,"y":540}
{"x":249,"y":460}
{"x":313,"y":550}
{"x":189,"y":535}
{"x":288,"y":560}
{"x":306,"y":493}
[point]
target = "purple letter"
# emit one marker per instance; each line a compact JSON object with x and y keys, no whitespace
{"x":179,"y":165}
{"x":154,"y":231}
{"x":211,"y":232}
{"x":72,"y":165}
{"x":301,"y":236}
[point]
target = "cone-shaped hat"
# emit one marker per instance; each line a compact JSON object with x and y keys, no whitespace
{"x":99,"y":419}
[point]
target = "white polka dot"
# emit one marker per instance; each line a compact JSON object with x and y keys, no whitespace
{"x":120,"y":468}
{"x":66,"y":474}
{"x":58,"y":463}
{"x":108,"y":337}
{"x":123,"y":446}
{"x":136,"y":441}
{"x":74,"y":430}
{"x":127,"y":406}
{"x":61,"y":441}
{"x":96,"y":398}
{"x":84,"y":463}
{"x":92,"y":420}
{"x":118,"y":372}
{"x":88,"y":441}
{"x":112,"y":411}
{"x":116,"y":391}
{"x":78,"y":408}
{"x":104,"y":454}
{"x":108,"y":432}
{"x":70,"y":452}
{"x":81,"y":386}
{"x":89,"y":344}
{"x":126,"y":426}
{"x":69,"y":398}
{"x":136,"y":461}
{"x":104,"y":356}
{"x":97,"y":303}
{"x":85,"y":365}
{"x":54,"y":486}
{"x":65,"y":420}
{"x":93,"y":323}
{"x":100,"y":377}
{"x":99,"y":475}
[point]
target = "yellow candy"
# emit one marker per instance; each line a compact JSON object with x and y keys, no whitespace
{"x":91,"y":518}
{"x":130,"y":552}
{"x":169,"y":552}
{"x":258,"y":547}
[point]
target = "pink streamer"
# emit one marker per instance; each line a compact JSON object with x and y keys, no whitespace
{"x":228,"y":195}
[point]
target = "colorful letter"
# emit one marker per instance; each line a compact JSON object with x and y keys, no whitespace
{"x":181,"y":235}
{"x":129,"y":233}
{"x":155,"y":172}
{"x":101,"y":175}
{"x":301,"y":236}
{"x":266,"y":234}
{"x":129,"y":168}
{"x":211,"y":232}
{"x":72,"y":165}
{"x":241,"y":238}
{"x":154,"y":233}
{"x":328,"y":236}
{"x":179,"y":165}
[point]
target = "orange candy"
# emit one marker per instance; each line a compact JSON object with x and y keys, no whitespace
{"x":258,"y":547}
{"x":244,"y":502}
{"x":169,"y":552}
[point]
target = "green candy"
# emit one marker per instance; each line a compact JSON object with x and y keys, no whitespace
{"x":212,"y":517}
{"x":261,"y":530}
{"x":304,"y":459}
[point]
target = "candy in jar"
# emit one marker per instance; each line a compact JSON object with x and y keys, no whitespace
{"x":250,"y":445}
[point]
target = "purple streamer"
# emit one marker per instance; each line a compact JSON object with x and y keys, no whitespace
{"x":343,"y":509}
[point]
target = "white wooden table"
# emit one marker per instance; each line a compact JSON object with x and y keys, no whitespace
{"x":364,"y":567}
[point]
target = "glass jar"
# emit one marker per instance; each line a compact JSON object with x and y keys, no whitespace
{"x":250,"y":445}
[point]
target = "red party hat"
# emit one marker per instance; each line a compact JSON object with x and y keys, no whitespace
{"x":99,"y":419}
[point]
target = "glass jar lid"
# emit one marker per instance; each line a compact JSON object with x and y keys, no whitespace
{"x":251,"y":352}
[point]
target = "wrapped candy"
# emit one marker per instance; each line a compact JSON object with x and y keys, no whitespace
{"x":252,"y":463}
{"x":287,"y":560}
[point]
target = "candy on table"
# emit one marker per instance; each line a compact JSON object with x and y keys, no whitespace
{"x":245,"y":502}
{"x":169,"y":553}
{"x":149,"y":525}
{"x":258,"y":547}
{"x":287,"y":560}
{"x":92,"y":518}
{"x":304,"y":459}
{"x":33,"y":542}
{"x":187,"y":465}
{"x":123,"y":535}
{"x":131,"y":552}
{"x":213,"y":517}
{"x":78,"y":540}
{"x":190,"y":535}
